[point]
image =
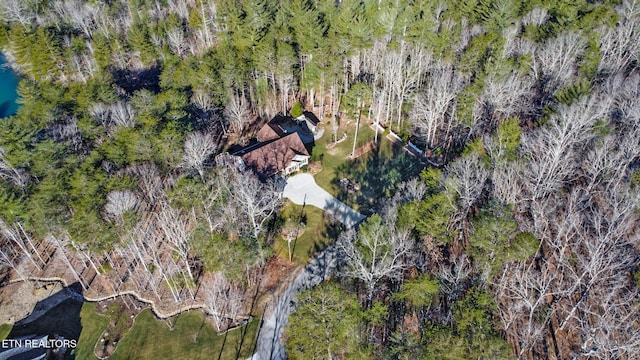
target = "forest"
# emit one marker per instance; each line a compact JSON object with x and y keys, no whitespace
{"x":519,"y":239}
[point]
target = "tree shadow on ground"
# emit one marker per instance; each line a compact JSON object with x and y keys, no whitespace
{"x":332,"y":229}
{"x":56,"y":317}
{"x":377,"y":175}
{"x":133,"y":80}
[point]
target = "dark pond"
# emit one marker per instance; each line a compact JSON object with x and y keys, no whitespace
{"x":8,"y":89}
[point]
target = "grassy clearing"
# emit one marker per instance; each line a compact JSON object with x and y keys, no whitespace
{"x":5,"y":329}
{"x":333,"y":159}
{"x":377,"y":172}
{"x":92,"y":327}
{"x":314,"y":232}
{"x":192,"y":337}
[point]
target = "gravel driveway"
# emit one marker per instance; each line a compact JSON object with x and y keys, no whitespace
{"x":302,"y":190}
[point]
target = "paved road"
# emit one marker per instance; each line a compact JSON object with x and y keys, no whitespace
{"x":269,"y":345}
{"x":303,"y":190}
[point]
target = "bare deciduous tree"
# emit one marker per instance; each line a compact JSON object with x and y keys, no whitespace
{"x":558,"y":58}
{"x":552,"y":148}
{"x":60,"y":243}
{"x":506,"y":178}
{"x":177,"y":231}
{"x":150,"y":183}
{"x":203,"y":101}
{"x":620,"y":44}
{"x":119,"y":202}
{"x":118,"y":114}
{"x":9,"y":258}
{"x":604,"y":241}
{"x":100,"y":112}
{"x":402,"y":76}
{"x":256,"y":201}
{"x":224,"y":299}
{"x":175,"y":38}
{"x":411,"y":190}
{"x":123,"y":114}
{"x":455,"y":275}
{"x":432,"y":110}
{"x":536,"y":16}
{"x":80,"y":14}
{"x":522,"y":295}
{"x":625,"y":90}
{"x":379,"y":250}
{"x":581,"y":283}
{"x":507,"y":96}
{"x":237,"y":111}
{"x":18,"y":177}
{"x":467,"y":177}
{"x":17,"y":11}
{"x":198,"y":148}
{"x":16,"y":234}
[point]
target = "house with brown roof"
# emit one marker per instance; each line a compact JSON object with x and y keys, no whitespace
{"x":279,"y":156}
{"x":280,"y":126}
{"x":282,"y":147}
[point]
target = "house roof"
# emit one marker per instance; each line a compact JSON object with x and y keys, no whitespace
{"x":267,"y":133}
{"x":311,"y":117}
{"x":280,"y":126}
{"x":274,"y":156}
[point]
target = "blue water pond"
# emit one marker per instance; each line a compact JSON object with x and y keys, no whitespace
{"x":8,"y":89}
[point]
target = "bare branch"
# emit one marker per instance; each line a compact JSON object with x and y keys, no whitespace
{"x":198,"y":148}
{"x":377,"y":251}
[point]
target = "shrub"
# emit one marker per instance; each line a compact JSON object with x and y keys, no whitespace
{"x":296,"y":110}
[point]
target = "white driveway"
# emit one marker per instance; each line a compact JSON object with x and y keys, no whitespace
{"x":302,"y":190}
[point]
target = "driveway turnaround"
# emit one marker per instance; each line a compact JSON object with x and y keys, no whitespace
{"x":302,"y":190}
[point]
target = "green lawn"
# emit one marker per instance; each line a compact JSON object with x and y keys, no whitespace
{"x":333,"y":159}
{"x":314,"y":237}
{"x":377,"y":172}
{"x":192,"y":337}
{"x":92,"y":327}
{"x":5,"y":329}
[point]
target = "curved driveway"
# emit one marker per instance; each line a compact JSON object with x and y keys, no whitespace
{"x":303,"y":190}
{"x":269,"y":346}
